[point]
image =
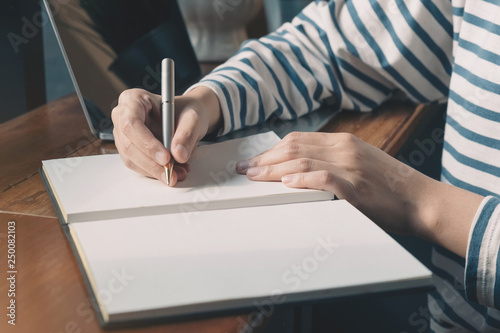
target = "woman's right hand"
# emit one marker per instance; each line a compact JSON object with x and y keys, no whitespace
{"x":137,"y":130}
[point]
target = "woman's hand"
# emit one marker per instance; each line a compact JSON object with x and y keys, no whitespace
{"x":392,"y":194}
{"x":137,"y":130}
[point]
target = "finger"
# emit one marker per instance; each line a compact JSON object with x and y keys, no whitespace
{"x":287,"y":152}
{"x":132,"y":166}
{"x":130,"y":121}
{"x":185,"y":166}
{"x":178,"y":174}
{"x":181,"y":169}
{"x":325,"y":180}
{"x":130,"y":152}
{"x":126,"y":160}
{"x":181,"y":172}
{"x":138,"y":102}
{"x":142,"y":138}
{"x":186,"y":136}
{"x":313,"y":146}
{"x":276,"y":171}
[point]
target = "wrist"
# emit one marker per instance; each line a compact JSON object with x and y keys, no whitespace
{"x":445,"y":215}
{"x":426,"y":209}
{"x":206,"y":101}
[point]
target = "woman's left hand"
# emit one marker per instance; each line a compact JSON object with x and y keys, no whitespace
{"x":394,"y":195}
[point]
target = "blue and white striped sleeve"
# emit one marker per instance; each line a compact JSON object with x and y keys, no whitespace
{"x":482,"y":270}
{"x":352,"y":54}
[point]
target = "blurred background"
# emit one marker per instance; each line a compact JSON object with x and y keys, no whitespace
{"x":32,"y":68}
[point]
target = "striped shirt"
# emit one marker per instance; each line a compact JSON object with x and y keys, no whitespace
{"x":355,"y":55}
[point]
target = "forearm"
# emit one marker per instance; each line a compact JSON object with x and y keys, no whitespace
{"x":444,"y":214}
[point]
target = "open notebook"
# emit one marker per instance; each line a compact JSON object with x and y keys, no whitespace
{"x":217,"y":241}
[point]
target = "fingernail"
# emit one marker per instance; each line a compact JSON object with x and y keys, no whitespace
{"x":182,"y":152}
{"x":242,"y":166}
{"x":287,"y":179}
{"x":253,"y":172}
{"x":161,"y":158}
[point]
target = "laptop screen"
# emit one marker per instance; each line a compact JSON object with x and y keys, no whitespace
{"x":113,"y":45}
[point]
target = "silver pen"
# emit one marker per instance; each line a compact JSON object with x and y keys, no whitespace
{"x":168,"y":110}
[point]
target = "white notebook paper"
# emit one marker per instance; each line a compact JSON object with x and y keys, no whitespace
{"x":216,"y":242}
{"x":239,"y":258}
{"x":101,"y":187}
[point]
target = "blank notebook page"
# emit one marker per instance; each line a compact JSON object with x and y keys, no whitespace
{"x":218,"y":258}
{"x":99,"y":187}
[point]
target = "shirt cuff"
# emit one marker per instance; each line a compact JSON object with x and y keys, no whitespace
{"x":483,"y":261}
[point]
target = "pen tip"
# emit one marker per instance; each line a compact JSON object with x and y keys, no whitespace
{"x":168,"y":170}
{"x":167,"y":178}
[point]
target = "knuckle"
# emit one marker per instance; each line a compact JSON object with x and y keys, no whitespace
{"x":352,"y":160}
{"x":114,"y":114}
{"x":256,"y":160}
{"x":186,"y":137}
{"x":132,"y":100}
{"x":266,"y":171}
{"x":185,"y":134}
{"x":292,"y":137}
{"x":192,"y":115}
{"x":128,"y":162}
{"x":291,"y":149}
{"x":126,"y":95}
{"x":130,"y":94}
{"x":127,"y":126}
{"x":353,"y":157}
{"x":126,"y":145}
{"x":304,"y":164}
{"x":149,"y":147}
{"x":325,"y":177}
{"x":348,"y":138}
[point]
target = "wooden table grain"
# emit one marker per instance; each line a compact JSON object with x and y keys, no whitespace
{"x":50,"y":293}
{"x":51,"y":296}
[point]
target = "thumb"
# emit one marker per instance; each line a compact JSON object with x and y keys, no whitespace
{"x":186,"y":137}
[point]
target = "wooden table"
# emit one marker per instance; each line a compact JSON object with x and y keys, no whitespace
{"x":50,"y":293}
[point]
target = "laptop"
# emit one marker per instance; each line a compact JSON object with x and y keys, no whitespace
{"x":110,"y":46}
